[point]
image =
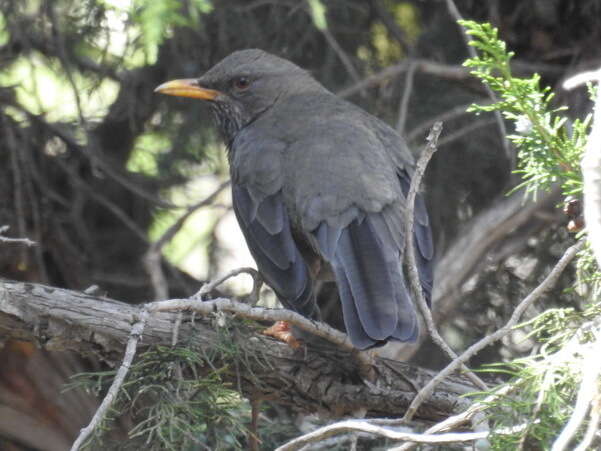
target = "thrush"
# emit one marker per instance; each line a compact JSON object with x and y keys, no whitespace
{"x":319,"y":189}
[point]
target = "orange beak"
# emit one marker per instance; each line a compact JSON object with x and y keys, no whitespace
{"x":187,"y":88}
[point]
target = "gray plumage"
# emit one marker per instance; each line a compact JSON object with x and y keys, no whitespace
{"x":319,"y":189}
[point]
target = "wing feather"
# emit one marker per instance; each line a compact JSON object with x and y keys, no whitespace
{"x":271,"y":244}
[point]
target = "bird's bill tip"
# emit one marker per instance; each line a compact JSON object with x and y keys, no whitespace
{"x":186,"y":88}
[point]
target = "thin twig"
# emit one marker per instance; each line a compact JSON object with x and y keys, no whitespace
{"x":257,"y":313}
{"x":171,"y":231}
{"x":461,"y":132}
{"x":153,"y":256}
{"x":441,"y":70}
{"x":509,"y":153}
{"x":461,"y":418}
{"x":404,"y":104}
{"x":343,"y":56}
{"x":5,"y":239}
{"x":365,"y":426}
{"x":392,"y":26}
{"x":449,"y":71}
{"x":593,"y":423}
{"x":457,"y":111}
{"x":581,"y":78}
{"x":545,"y":285}
{"x":591,"y":368}
{"x":363,"y":359}
{"x":592,"y":213}
{"x":130,"y":351}
{"x":410,"y":253}
{"x":257,"y":283}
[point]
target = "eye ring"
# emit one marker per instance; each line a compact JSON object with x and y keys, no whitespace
{"x":241,"y":83}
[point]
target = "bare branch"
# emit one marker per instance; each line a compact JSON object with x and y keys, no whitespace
{"x":581,"y":78}
{"x":509,"y":153}
{"x":313,"y":379}
{"x":591,"y":369}
{"x":130,"y":351}
{"x":454,"y":72}
{"x":257,"y":283}
{"x":593,"y":424}
{"x":5,"y":239}
{"x":257,"y":313}
{"x":461,"y":418}
{"x":480,"y":235}
{"x":404,"y":103}
{"x":342,"y":55}
{"x":153,"y":257}
{"x":436,"y":69}
{"x":456,"y":111}
{"x":366,"y":426}
{"x":488,"y":340}
{"x":410,"y":254}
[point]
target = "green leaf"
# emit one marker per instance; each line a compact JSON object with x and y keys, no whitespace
{"x":318,"y":14}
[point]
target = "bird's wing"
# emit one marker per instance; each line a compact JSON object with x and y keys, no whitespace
{"x":401,"y":157}
{"x":264,"y":221}
{"x":350,"y":195}
{"x":266,"y":228}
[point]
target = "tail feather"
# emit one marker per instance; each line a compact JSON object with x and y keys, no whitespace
{"x":375,"y":301}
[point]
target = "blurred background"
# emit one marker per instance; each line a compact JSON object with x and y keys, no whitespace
{"x":127,"y":190}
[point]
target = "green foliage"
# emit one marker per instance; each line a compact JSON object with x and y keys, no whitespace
{"x":549,"y":146}
{"x":543,"y":386}
{"x":318,"y":14}
{"x":157,"y":18}
{"x":4,"y":37}
{"x":184,"y":398}
{"x":177,"y":398}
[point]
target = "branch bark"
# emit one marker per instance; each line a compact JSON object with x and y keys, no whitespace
{"x":316,"y":379}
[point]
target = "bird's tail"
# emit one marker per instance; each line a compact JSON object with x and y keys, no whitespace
{"x":375,"y":301}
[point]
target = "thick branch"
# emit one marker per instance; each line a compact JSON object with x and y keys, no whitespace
{"x":316,"y":379}
{"x":480,"y":236}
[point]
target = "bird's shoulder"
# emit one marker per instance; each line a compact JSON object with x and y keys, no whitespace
{"x":322,"y":118}
{"x":339,"y":161}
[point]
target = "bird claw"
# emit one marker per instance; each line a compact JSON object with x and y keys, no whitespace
{"x":282,"y":331}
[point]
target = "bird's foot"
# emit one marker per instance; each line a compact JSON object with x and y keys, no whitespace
{"x":282,"y":330}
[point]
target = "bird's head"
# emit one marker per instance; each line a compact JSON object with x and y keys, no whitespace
{"x":242,"y":86}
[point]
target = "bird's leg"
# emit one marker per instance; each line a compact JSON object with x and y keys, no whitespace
{"x":282,"y":330}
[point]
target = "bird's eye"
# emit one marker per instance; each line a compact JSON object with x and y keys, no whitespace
{"x":241,"y":83}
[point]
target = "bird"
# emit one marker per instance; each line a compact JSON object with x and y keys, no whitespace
{"x":319,"y":190}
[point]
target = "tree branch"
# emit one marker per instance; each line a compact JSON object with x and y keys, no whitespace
{"x":513,"y":321}
{"x":130,"y":352}
{"x":366,"y":426}
{"x":410,"y":255}
{"x":8,"y":240}
{"x":314,"y":379}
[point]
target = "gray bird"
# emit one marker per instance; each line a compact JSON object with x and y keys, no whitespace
{"x":318,"y":188}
